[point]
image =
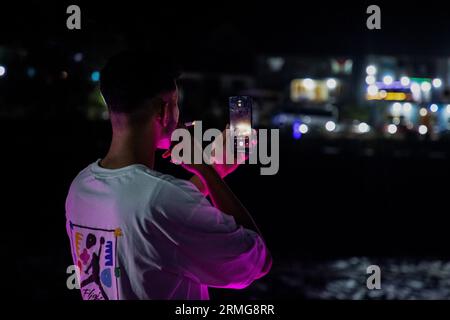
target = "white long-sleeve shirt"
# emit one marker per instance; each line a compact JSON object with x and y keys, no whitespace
{"x":139,"y":234}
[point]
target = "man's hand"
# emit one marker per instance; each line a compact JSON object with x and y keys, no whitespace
{"x":220,"y":165}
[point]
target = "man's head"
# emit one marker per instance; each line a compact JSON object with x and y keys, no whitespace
{"x":140,"y":89}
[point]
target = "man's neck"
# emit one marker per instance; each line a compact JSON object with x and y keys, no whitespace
{"x":129,"y":147}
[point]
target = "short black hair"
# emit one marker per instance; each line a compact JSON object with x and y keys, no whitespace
{"x":132,"y":77}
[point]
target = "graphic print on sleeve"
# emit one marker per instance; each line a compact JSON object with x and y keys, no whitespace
{"x":95,"y":254}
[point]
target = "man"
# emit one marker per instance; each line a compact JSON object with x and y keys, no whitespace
{"x":162,"y":237}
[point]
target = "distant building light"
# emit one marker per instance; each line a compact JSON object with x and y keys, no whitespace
{"x":423,"y":129}
{"x":309,"y":84}
{"x":392,"y":128}
{"x":437,"y":83}
{"x":387,"y":80}
{"x":296,"y":130}
{"x":363,"y":127}
{"x":388,"y":96}
{"x":95,"y":76}
{"x":405,"y":81}
{"x":396,"y":108}
{"x":31,"y":72}
{"x":407,"y":107}
{"x":78,"y":57}
{"x":2,"y":71}
{"x":303,"y":128}
{"x":331,"y":84}
{"x":330,"y":126}
{"x":425,"y":86}
{"x":372,"y":90}
{"x":423,"y":112}
{"x":370,"y":80}
{"x":415,"y":88}
{"x":275,"y":63}
{"x":371,"y":70}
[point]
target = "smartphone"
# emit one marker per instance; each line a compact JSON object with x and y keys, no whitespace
{"x":241,"y":122}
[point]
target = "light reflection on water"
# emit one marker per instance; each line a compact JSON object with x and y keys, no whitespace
{"x":407,"y":278}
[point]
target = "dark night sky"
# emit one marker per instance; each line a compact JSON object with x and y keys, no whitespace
{"x":231,"y":31}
